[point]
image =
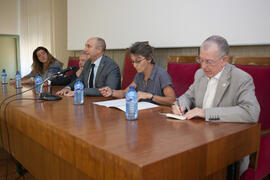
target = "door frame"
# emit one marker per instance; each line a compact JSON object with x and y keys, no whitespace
{"x":17,"y":39}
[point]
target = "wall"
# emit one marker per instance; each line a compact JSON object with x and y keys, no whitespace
{"x":9,"y":11}
{"x":35,"y":29}
{"x":43,"y":23}
{"x":60,"y":31}
{"x":54,"y":13}
{"x":167,"y":24}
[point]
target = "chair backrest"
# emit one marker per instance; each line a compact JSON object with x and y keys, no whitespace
{"x":72,"y":61}
{"x":249,"y":60}
{"x":182,"y":70}
{"x":187,"y":59}
{"x":129,"y":71}
{"x":182,"y":59}
{"x":259,"y":69}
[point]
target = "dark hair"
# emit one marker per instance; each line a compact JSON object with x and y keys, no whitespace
{"x":143,"y":49}
{"x":39,"y":67}
{"x":221,"y":42}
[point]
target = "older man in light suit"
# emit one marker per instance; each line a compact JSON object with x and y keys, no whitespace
{"x":98,"y":72}
{"x":220,"y":92}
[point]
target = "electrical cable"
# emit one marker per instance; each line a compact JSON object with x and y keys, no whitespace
{"x":6,"y":125}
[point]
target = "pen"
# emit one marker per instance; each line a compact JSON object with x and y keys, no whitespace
{"x":179,"y":106}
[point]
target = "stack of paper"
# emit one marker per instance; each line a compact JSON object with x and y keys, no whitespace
{"x":121,"y":104}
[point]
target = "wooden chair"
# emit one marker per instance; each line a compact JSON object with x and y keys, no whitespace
{"x":259,"y":69}
{"x":182,"y":59}
{"x":73,"y":61}
{"x":187,"y":59}
{"x":246,"y":60}
{"x":129,"y":71}
{"x":182,"y":70}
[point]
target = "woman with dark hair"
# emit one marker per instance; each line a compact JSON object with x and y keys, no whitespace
{"x":153,"y":83}
{"x":44,"y":64}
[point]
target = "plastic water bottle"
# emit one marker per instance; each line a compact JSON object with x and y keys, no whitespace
{"x":4,"y":90}
{"x":131,"y":104}
{"x":78,"y":91}
{"x":38,"y":81}
{"x":4,"y":76}
{"x":18,"y":79}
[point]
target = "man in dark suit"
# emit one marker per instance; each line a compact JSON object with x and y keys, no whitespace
{"x":99,"y":71}
{"x":65,"y":80}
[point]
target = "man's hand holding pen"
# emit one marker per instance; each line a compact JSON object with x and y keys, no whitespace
{"x":178,"y":108}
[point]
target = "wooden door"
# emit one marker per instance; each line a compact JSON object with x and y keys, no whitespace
{"x":8,"y":55}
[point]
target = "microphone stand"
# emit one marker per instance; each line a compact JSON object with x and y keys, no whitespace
{"x":50,"y":97}
{"x":45,"y":96}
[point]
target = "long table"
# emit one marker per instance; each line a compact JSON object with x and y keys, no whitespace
{"x":61,"y":140}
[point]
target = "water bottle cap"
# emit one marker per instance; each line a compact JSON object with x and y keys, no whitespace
{"x":4,"y":71}
{"x":131,"y":87}
{"x":17,"y":72}
{"x":78,"y":81}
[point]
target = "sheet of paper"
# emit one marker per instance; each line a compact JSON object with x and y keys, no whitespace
{"x":121,"y":104}
{"x":173,"y":116}
{"x":111,"y":103}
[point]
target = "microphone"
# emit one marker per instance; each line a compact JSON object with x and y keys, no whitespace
{"x":50,"y":97}
{"x":65,"y":70}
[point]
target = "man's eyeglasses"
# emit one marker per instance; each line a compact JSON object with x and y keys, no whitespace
{"x":207,"y":61}
{"x":137,"y":61}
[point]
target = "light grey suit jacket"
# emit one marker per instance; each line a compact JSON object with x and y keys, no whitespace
{"x":108,"y":74}
{"x":234,"y":101}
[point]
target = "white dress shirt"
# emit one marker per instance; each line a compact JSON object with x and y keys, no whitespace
{"x":211,"y":90}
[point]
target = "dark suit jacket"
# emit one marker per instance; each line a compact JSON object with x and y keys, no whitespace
{"x":65,"y":80}
{"x":108,"y":74}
